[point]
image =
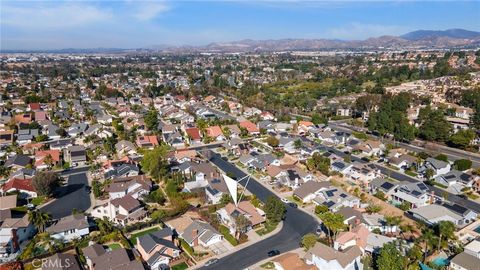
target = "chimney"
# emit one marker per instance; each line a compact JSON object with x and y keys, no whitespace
{"x":195,"y":237}
{"x":15,"y":244}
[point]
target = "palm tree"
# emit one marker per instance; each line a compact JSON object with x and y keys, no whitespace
{"x":428,"y":239}
{"x":39,"y":219}
{"x":445,"y":230}
{"x":334,"y":224}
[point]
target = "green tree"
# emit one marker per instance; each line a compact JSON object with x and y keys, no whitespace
{"x":151,"y":119}
{"x":434,"y":126}
{"x":445,"y":231}
{"x":321,"y":208}
{"x":390,"y":258}
{"x":462,"y":139}
{"x":272,"y":141}
{"x":297,"y":144}
{"x":309,"y":240}
{"x":241,"y":225}
{"x":334,"y":224}
{"x":45,"y":181}
{"x":319,"y":162}
{"x":155,"y":163}
{"x":274,"y":209}
{"x":442,"y":157}
{"x":462,"y":164}
{"x":373,"y":208}
{"x":39,"y":219}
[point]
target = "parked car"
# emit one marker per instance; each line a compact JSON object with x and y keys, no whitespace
{"x":273,"y":252}
{"x":211,"y":262}
{"x":293,"y":205}
{"x":284,"y":200}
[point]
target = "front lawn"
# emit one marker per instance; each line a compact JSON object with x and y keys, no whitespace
{"x":181,"y":266}
{"x":268,"y":265}
{"x":412,"y":174}
{"x":133,"y":237}
{"x":38,"y":200}
{"x":226,"y":234}
{"x":114,"y":246}
{"x":268,"y":227}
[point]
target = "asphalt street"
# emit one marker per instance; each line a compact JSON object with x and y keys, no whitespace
{"x":71,"y":196}
{"x":296,"y":224}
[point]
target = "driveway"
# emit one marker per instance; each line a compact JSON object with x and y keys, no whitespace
{"x":71,"y":196}
{"x":221,"y":247}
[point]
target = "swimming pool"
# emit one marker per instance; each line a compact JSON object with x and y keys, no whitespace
{"x":440,"y":261}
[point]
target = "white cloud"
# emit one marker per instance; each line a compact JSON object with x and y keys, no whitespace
{"x":43,"y":15}
{"x":146,"y":10}
{"x":362,"y":31}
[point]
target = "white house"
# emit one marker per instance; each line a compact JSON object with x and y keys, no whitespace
{"x":69,"y":228}
{"x":325,"y":257}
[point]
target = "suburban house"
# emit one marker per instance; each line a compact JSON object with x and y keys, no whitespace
{"x":17,"y":162}
{"x":193,"y":135}
{"x":362,"y":173}
{"x":250,"y":127}
{"x":432,"y":214}
{"x":417,"y":194}
{"x":455,"y":181}
{"x":228,"y":214}
{"x":215,"y":132}
{"x":69,"y":227}
{"x":291,"y":261}
{"x":404,"y":161}
{"x":158,"y":248}
{"x":383,"y":185}
{"x":438,"y":167}
{"x":370,"y":148}
{"x":309,"y":190}
{"x":124,"y":147}
{"x":23,"y":186}
{"x":76,"y":155}
{"x":47,"y":158}
{"x":135,"y":186}
{"x":464,"y":261}
{"x":201,"y":233}
{"x":377,"y":221}
{"x":121,"y":210}
{"x":336,"y":198}
{"x":13,"y":232}
{"x":148,"y":142}
{"x":325,"y":257}
{"x":61,"y":261}
{"x":99,"y":259}
{"x":357,"y":236}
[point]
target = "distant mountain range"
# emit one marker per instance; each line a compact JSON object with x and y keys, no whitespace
{"x":420,"y":39}
{"x":452,"y":38}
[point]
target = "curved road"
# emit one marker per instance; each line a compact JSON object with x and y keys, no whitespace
{"x":296,"y":224}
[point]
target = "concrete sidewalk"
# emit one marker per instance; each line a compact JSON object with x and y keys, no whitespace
{"x":241,"y":246}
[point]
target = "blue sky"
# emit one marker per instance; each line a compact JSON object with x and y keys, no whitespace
{"x":135,"y":24}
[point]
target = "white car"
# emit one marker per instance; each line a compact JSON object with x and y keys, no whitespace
{"x":285,"y":200}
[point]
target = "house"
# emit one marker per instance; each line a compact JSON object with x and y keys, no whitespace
{"x":91,"y":252}
{"x":455,"y":181}
{"x":8,"y":202}
{"x":234,"y":130}
{"x":357,"y":236}
{"x":437,"y":166}
{"x":25,"y":136}
{"x":377,"y":221}
{"x":215,"y":132}
{"x":115,"y":259}
{"x":309,"y":190}
{"x":77,"y":129}
{"x":404,"y":161}
{"x":473,"y":248}
{"x":228,"y":214}
{"x":122,"y":170}
{"x":69,"y":228}
{"x":336,"y":198}
{"x":464,"y":261}
{"x":6,"y":137}
{"x":432,"y":214}
{"x":201,"y":233}
{"x":250,"y":127}
{"x":61,"y":261}
{"x":291,"y":261}
{"x":362,"y":173}
{"x":193,"y":135}
{"x":293,"y":177}
{"x":124,"y":147}
{"x":325,"y":257}
{"x":14,"y":232}
{"x":383,"y":185}
{"x":174,"y":139}
{"x":215,"y":189}
{"x":340,"y":166}
{"x":47,"y":158}
{"x":147,"y":141}
{"x":370,"y":148}
{"x":158,"y":248}
{"x":121,"y":210}
{"x":23,"y":186}
{"x":135,"y":186}
{"x":417,"y":194}
{"x":17,"y":162}
{"x":76,"y":155}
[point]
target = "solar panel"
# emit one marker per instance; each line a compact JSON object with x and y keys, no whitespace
{"x":343,"y":195}
{"x":416,"y":193}
{"x":451,"y":176}
{"x":387,"y":185}
{"x":422,"y":186}
{"x":329,"y":193}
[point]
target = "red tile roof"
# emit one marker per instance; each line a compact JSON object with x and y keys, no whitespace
{"x":18,"y":184}
{"x":214,"y":131}
{"x":194,"y":133}
{"x":249,"y":126}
